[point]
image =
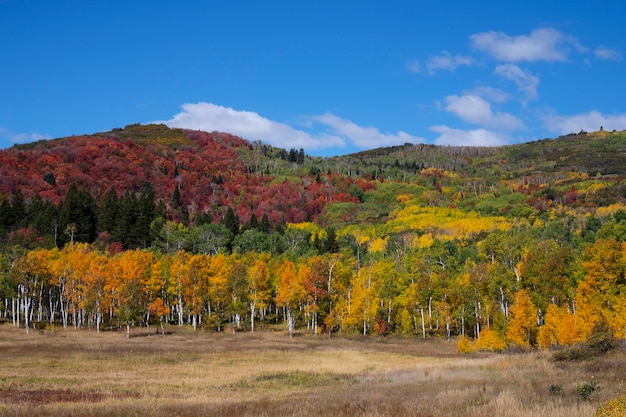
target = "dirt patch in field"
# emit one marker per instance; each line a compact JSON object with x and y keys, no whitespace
{"x":48,"y":396}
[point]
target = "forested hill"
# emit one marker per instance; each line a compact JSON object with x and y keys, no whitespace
{"x":194,"y":176}
{"x":149,"y":223}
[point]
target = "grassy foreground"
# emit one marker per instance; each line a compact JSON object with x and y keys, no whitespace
{"x":81,"y":373}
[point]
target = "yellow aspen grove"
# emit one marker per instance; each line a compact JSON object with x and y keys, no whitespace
{"x":29,"y":273}
{"x":547,"y":335}
{"x":605,"y":266}
{"x":134,"y":268}
{"x":362,"y":301}
{"x":95,"y":293}
{"x":179,"y":268}
{"x":76,"y":257}
{"x":156,"y":292}
{"x":521,"y":329}
{"x":559,"y":328}
{"x":258,"y":284}
{"x":588,"y":309}
{"x":219,"y":270}
{"x":290,"y":292}
{"x":195,"y":283}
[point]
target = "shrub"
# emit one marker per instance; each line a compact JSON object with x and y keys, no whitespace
{"x":490,"y":341}
{"x":556,"y":389}
{"x":587,"y":388}
{"x":599,"y":342}
{"x":614,"y":408}
{"x":572,"y":354}
{"x":601,"y":339}
{"x":465,"y":345}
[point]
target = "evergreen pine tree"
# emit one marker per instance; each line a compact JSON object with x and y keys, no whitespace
{"x":330,"y":244}
{"x":265,"y":225}
{"x":124,"y":231}
{"x":145,"y":215}
{"x":5,"y":216}
{"x":18,"y":210}
{"x":231,"y":221}
{"x":176,"y":198}
{"x":108,"y":212}
{"x":252,"y":224}
{"x":42,"y":216}
{"x":203,"y":218}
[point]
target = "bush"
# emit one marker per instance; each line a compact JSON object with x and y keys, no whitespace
{"x":465,"y":345}
{"x":614,"y":408}
{"x":586,"y":389}
{"x":600,"y":342}
{"x":601,"y":339}
{"x":572,"y":354}
{"x":556,"y":389}
{"x":490,"y":341}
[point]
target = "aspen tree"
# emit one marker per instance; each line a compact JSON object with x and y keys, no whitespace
{"x":522,"y":325}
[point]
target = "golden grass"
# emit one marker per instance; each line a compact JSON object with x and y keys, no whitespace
{"x":81,"y":373}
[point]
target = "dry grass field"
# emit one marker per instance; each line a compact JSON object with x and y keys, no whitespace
{"x":81,"y":373}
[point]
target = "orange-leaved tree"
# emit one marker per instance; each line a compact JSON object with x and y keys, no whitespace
{"x":521,"y":329}
{"x":290,"y":292}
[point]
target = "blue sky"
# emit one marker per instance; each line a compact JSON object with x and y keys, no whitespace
{"x":332,"y":77}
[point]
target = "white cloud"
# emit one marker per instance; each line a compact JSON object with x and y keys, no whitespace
{"x":477,"y":137}
{"x":445,"y":61}
{"x":414,"y":66}
{"x":541,"y":45}
{"x":475,"y":109}
{"x":19,"y":138}
{"x":602,"y":52}
{"x":589,"y":122}
{"x":492,"y":94}
{"x":249,"y":125}
{"x":526,"y":82}
{"x":28,"y":137}
{"x":364,"y":137}
{"x":335,"y":131}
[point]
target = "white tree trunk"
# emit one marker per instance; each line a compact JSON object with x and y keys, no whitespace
{"x":290,"y":322}
{"x":252,"y":310}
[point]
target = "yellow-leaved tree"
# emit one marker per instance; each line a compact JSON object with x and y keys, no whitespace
{"x":290,"y":292}
{"x":521,"y":329}
{"x":259,"y":287}
{"x":559,"y":328}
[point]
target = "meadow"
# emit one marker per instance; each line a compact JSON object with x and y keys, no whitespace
{"x":58,"y":372}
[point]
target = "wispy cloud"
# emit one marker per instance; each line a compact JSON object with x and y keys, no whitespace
{"x":602,"y":52}
{"x":414,"y":66}
{"x":545,"y":44}
{"x":330,"y":132}
{"x":475,"y":109}
{"x":591,"y":121}
{"x":526,"y":82}
{"x":249,"y":125}
{"x":448,"y":62}
{"x":442,"y":62}
{"x":19,"y":138}
{"x":495,"y":95}
{"x":364,"y":137}
{"x":476,"y":137}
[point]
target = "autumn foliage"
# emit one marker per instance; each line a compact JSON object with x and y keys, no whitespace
{"x":147,"y":226}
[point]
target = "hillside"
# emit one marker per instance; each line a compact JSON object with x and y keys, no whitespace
{"x":148,"y":224}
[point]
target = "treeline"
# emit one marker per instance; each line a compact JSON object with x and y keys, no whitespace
{"x":502,"y":284}
{"x":127,"y":219}
{"x":133,"y":221}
